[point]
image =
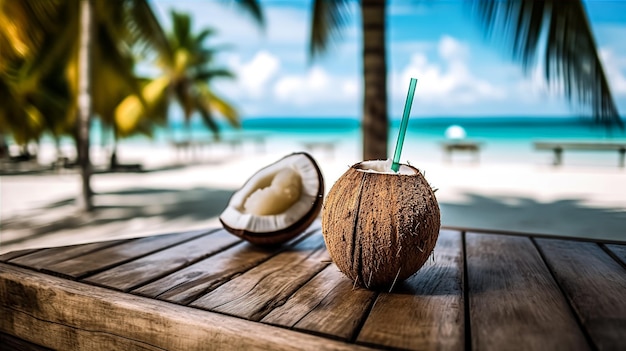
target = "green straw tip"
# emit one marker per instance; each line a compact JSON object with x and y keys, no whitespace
{"x":395,"y":165}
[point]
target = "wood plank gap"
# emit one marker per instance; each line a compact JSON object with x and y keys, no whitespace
{"x":466,"y":302}
{"x":565,"y":296}
{"x":117,"y":263}
{"x":533,"y":235}
{"x":289,"y":244}
{"x":44,"y":257}
{"x":609,"y":250}
{"x":164,"y":273}
{"x":15,"y":254}
{"x":359,"y":327}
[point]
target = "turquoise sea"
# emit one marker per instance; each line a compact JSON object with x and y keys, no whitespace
{"x":505,"y":139}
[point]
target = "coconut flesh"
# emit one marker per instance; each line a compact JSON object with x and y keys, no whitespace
{"x":380,"y":226}
{"x":278,"y":202}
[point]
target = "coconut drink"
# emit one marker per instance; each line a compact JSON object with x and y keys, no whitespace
{"x":381,"y":219}
{"x":380,"y":226}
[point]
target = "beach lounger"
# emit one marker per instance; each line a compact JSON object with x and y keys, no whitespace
{"x":559,"y":146}
{"x":464,"y":145}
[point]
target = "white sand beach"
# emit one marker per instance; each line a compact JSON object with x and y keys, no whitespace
{"x":172,"y":195}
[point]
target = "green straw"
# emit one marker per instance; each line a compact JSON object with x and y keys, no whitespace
{"x":395,"y":166}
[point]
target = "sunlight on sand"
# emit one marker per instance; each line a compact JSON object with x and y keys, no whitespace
{"x":38,"y":210}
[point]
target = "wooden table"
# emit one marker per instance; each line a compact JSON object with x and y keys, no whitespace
{"x":209,"y":290}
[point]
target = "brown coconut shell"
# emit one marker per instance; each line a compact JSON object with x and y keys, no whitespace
{"x":380,"y":228}
{"x":277,"y":237}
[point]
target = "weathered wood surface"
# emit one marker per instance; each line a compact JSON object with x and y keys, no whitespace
{"x":209,"y":290}
{"x":148,"y":268}
{"x":595,"y":285}
{"x":255,"y":293}
{"x":46,"y":257}
{"x":328,"y":304}
{"x":52,"y":311}
{"x":426,"y":311}
{"x":189,"y":283}
{"x":81,"y":266}
{"x":619,"y":251}
{"x":514,"y":303}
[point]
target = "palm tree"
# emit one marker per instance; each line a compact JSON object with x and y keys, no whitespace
{"x":571,"y":54}
{"x":71,"y":37}
{"x":187,"y":73}
{"x":39,"y":39}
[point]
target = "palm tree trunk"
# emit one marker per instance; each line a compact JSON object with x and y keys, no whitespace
{"x":375,"y":123}
{"x":85,"y":106}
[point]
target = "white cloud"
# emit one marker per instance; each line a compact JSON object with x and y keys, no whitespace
{"x":254,"y":76}
{"x":614,"y":68}
{"x":449,"y":83}
{"x":315,"y":87}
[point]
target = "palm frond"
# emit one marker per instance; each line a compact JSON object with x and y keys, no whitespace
{"x":571,"y":54}
{"x":211,"y":101}
{"x":328,"y":18}
{"x":146,"y":29}
{"x":253,"y":8}
{"x":206,"y":75}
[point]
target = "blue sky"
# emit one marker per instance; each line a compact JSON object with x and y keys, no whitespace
{"x":460,"y":73}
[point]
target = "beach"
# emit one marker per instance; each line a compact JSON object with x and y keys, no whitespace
{"x":178,"y":192}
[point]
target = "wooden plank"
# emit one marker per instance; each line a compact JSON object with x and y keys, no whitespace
{"x":94,"y":262}
{"x":256,"y":292}
{"x":46,"y":257}
{"x":596,"y":286}
{"x":148,"y":268}
{"x":328,"y":304}
{"x":425,"y":312}
{"x":619,"y":251}
{"x":13,"y":254}
{"x":67,"y":315}
{"x":189,"y":283}
{"x":10,"y":343}
{"x":514,"y":303}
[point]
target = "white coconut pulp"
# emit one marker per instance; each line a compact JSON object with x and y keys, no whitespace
{"x":274,"y":198}
{"x":384,"y":166}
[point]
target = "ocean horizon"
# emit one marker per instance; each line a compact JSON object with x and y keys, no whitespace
{"x":503,"y":138}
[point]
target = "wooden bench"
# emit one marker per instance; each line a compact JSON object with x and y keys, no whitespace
{"x":470,"y":146}
{"x":559,"y":146}
{"x":209,"y":290}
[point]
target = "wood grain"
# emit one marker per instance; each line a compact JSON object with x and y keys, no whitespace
{"x":328,"y":304}
{"x":256,"y":292}
{"x":67,"y":315}
{"x":426,"y":311}
{"x":46,"y":257}
{"x":618,"y":251}
{"x":11,"y":343}
{"x":137,"y":272}
{"x":13,"y":254}
{"x":514,"y":303}
{"x":189,"y":283}
{"x":94,"y":262}
{"x":595,"y":285}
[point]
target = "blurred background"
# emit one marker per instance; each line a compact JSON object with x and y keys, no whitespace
{"x":128,"y":117}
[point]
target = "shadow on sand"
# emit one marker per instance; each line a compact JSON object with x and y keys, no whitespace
{"x":119,"y":207}
{"x":565,"y":217}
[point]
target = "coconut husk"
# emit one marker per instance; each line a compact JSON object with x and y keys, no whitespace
{"x":380,"y":228}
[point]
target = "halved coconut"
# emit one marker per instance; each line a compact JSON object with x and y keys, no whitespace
{"x":278,"y":202}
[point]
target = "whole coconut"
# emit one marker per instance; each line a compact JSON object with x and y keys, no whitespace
{"x":380,"y":226}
